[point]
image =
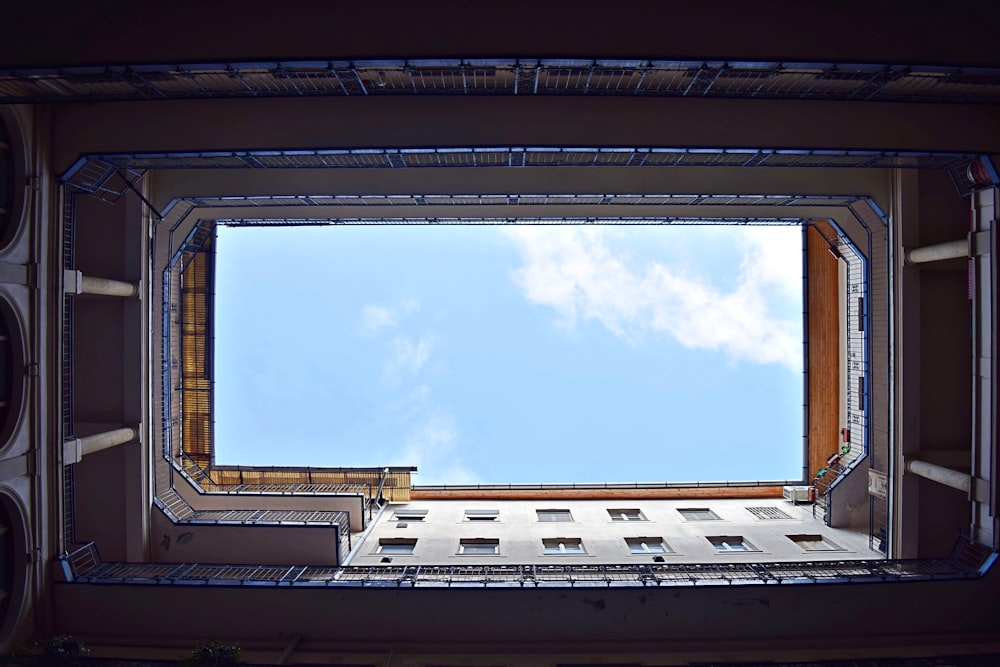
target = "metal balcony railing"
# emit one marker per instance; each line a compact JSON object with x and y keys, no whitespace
{"x":513,"y":156}
{"x":504,"y":77}
{"x":974,"y":660}
{"x":83,"y":569}
{"x":854,"y":441}
{"x":180,"y":511}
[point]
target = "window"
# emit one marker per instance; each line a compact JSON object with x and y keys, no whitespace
{"x":728,"y":543}
{"x":478,"y":547}
{"x":396,"y":547}
{"x":409,"y":515}
{"x":554,"y":515}
{"x":482,"y":515}
{"x":646,"y":545}
{"x":698,"y":514}
{"x":626,"y":515}
{"x":814,"y":543}
{"x":562,"y":545}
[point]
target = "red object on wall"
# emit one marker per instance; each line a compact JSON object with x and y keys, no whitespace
{"x":845,"y":433}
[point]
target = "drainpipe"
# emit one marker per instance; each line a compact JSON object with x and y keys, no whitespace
{"x":293,"y":643}
{"x":381,"y":484}
{"x":363,"y":536}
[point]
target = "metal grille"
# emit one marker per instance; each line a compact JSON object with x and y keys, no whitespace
{"x":67,"y":368}
{"x":976,"y":660}
{"x":184,"y":377}
{"x":505,"y":76}
{"x":878,"y":378}
{"x":69,"y":506}
{"x":174,"y":506}
{"x":105,"y":180}
{"x":85,"y":176}
{"x":67,"y":360}
{"x":515,"y":199}
{"x":768,"y":513}
{"x":524,"y":576}
{"x":855,"y":443}
{"x":68,"y":263}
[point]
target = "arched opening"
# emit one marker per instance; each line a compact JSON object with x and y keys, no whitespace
{"x":13,"y":567}
{"x":11,"y":373}
{"x":11,"y":173}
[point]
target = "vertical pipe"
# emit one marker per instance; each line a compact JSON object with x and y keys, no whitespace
{"x":805,"y":354}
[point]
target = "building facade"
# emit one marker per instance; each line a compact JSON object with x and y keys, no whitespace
{"x":596,"y":532}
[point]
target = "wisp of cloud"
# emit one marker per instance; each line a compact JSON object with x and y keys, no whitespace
{"x":575,"y":272}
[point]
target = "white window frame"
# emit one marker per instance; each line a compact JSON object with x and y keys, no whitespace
{"x":646,"y":546}
{"x":539,"y":513}
{"x":724,"y":544}
{"x":712,"y":515}
{"x":478,"y":542}
{"x":622,"y":515}
{"x":808,"y":539}
{"x":393,"y":542}
{"x":481,"y":516}
{"x":413,"y":516}
{"x":561,"y":544}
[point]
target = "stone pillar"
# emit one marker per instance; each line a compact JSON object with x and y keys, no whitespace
{"x":938,"y":252}
{"x":77,"y":283}
{"x":75,"y":450}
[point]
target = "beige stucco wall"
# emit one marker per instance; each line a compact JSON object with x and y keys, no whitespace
{"x":242,"y":544}
{"x":521,"y":534}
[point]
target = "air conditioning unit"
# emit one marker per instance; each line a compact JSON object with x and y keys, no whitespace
{"x":799,"y":494}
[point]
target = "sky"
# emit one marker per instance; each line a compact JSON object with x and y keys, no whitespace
{"x":513,"y":353}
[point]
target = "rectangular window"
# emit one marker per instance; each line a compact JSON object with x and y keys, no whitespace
{"x":626,"y":515}
{"x":646,"y":545}
{"x":409,"y":515}
{"x":728,"y":543}
{"x":698,"y":514}
{"x":396,"y":547}
{"x":554,"y":515}
{"x":478,"y":547}
{"x":482,"y":515}
{"x":814,"y":543}
{"x":562,"y":545}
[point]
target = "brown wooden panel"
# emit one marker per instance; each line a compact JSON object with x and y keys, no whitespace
{"x":824,"y":347}
{"x":676,"y":493}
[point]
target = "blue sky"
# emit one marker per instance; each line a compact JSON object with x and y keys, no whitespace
{"x":529,"y":353}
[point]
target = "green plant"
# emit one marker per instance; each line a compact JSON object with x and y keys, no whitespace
{"x":58,"y":651}
{"x":213,"y":654}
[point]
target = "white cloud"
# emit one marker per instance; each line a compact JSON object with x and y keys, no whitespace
{"x":407,"y":357}
{"x":433,"y":446}
{"x":573,"y":271}
{"x":376,"y":318}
